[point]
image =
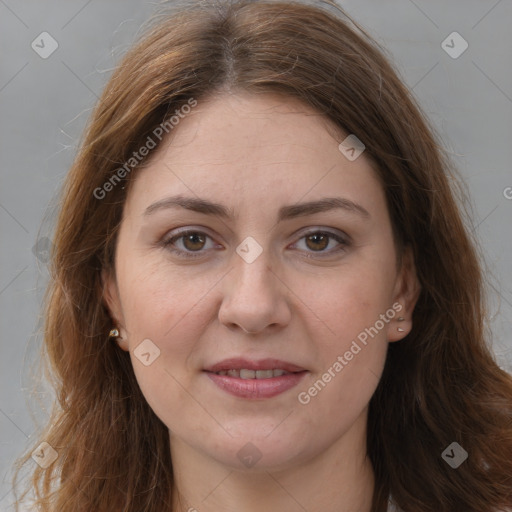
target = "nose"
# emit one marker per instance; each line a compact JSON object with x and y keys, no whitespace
{"x":255,"y":298}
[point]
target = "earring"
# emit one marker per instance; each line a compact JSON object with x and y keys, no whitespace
{"x":400,"y":319}
{"x":114,"y":333}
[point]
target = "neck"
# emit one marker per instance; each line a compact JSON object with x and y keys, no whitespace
{"x":340,"y":479}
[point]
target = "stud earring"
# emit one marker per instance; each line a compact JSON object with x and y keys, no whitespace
{"x":114,"y":333}
{"x":400,"y":319}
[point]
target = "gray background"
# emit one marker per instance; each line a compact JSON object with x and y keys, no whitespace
{"x":44,"y":104}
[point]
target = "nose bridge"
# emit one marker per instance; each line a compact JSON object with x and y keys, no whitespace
{"x":252,"y":299}
{"x":253,"y":267}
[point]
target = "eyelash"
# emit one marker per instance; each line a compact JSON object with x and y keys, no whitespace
{"x":167,"y":244}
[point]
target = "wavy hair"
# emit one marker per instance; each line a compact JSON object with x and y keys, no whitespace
{"x":440,"y":384}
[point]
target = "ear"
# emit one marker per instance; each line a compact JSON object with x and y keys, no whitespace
{"x":113,"y":304}
{"x":406,"y":293}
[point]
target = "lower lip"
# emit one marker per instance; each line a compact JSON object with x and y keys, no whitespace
{"x":256,"y":388}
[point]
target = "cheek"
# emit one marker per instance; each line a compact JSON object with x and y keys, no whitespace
{"x":356,"y":309}
{"x":167,"y":310}
{"x":350,"y":300}
{"x":335,"y":397}
{"x":159,"y":302}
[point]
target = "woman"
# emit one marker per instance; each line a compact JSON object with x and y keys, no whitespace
{"x":264,"y":296}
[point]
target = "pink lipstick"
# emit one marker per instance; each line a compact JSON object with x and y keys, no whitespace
{"x":255,"y":379}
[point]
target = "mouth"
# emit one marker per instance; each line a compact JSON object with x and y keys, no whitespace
{"x":245,"y":373}
{"x":255,"y":379}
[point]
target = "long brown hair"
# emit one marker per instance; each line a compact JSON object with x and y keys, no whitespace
{"x":440,"y":384}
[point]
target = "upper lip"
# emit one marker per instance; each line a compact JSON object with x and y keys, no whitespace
{"x":239,"y":363}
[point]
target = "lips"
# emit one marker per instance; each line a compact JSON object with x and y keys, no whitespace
{"x":245,"y":373}
{"x":255,"y":379}
{"x":261,"y":365}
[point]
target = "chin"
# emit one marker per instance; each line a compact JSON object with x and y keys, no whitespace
{"x":261,"y":449}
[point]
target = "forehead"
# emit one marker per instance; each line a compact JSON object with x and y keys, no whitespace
{"x":245,"y":148}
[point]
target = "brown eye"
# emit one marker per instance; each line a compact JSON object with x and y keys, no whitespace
{"x":193,"y":241}
{"x":187,"y":243}
{"x":193,"y":244}
{"x":317,"y":241}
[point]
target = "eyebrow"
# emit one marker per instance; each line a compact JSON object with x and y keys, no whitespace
{"x":285,"y":212}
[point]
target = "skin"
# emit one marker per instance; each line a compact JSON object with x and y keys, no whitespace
{"x":254,"y":154}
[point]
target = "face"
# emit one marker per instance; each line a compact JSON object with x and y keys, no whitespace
{"x":294,"y":303}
